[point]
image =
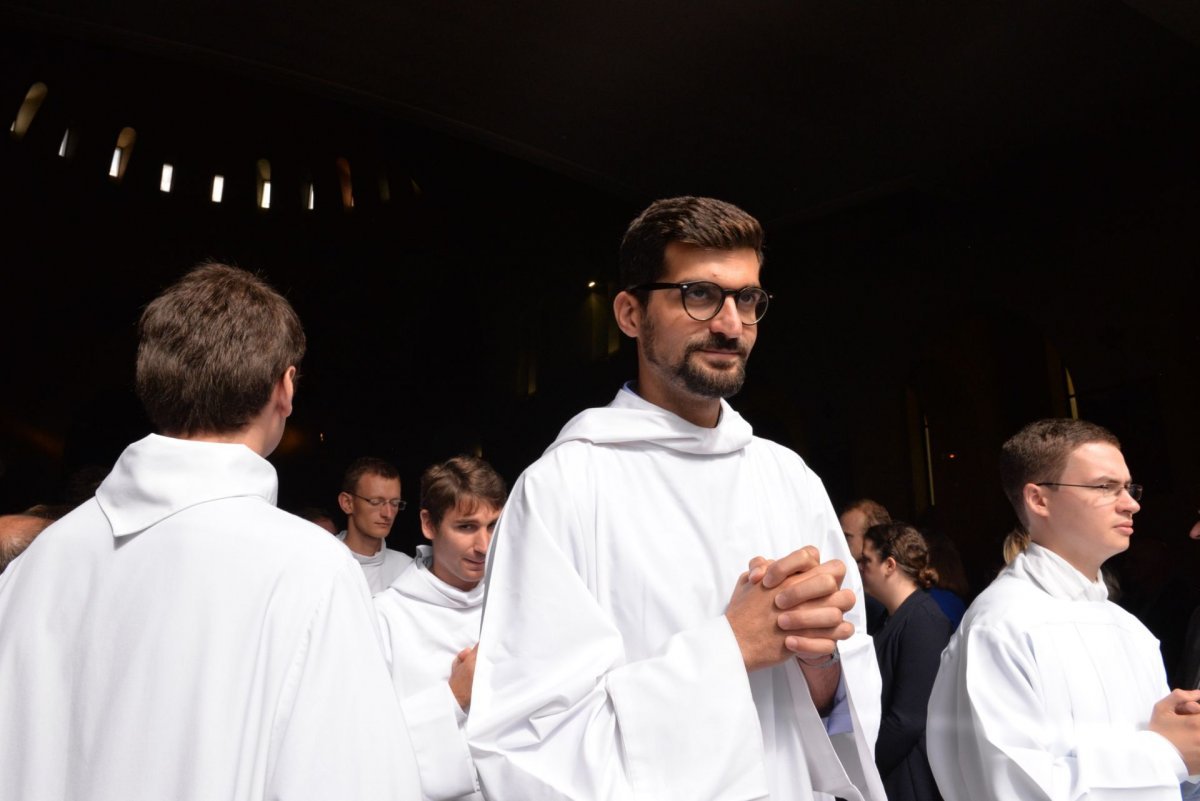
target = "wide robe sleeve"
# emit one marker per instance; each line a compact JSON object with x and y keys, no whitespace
{"x":338,"y":730}
{"x":559,"y":712}
{"x":988,"y":738}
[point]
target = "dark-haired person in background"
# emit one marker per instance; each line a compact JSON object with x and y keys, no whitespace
{"x":896,"y":571}
{"x":178,"y":636}
{"x":370,"y":497}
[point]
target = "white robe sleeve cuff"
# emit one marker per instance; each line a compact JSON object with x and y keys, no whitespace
{"x":434,"y":721}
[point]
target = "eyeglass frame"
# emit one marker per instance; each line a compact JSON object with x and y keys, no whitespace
{"x":397,"y":504}
{"x":1134,"y":490}
{"x":683,"y":287}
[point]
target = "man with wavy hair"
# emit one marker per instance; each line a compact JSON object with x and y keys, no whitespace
{"x":178,"y":636}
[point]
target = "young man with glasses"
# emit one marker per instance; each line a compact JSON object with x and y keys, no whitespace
{"x":370,"y":497}
{"x":626,"y":651}
{"x":1048,"y":690}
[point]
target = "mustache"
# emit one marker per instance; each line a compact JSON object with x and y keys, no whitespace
{"x":719,"y":342}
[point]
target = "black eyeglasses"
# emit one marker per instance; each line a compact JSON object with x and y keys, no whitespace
{"x":702,"y":300}
{"x":1110,"y":489}
{"x":396,"y":504}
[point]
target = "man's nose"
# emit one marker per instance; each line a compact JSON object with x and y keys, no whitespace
{"x":1126,"y":501}
{"x":727,"y":320}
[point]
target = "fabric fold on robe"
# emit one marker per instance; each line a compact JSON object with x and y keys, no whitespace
{"x":606,"y":667}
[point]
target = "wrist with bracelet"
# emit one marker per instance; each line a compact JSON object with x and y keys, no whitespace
{"x":820,"y":662}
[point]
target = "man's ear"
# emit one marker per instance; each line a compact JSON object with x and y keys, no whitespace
{"x":345,"y":502}
{"x":1036,"y":500}
{"x":629,"y":313}
{"x":427,"y":527}
{"x":285,"y":390}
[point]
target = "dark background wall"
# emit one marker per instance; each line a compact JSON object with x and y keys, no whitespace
{"x":457,"y":315}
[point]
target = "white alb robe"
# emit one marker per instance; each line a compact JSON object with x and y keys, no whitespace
{"x":380,"y":568}
{"x":1044,"y":694}
{"x":606,"y":666}
{"x":178,"y":637}
{"x":425,"y":624}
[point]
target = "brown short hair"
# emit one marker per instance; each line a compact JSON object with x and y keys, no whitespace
{"x":908,"y":547}
{"x":700,"y":221}
{"x":874,"y":511}
{"x":364,"y":465}
{"x":1039,"y":452}
{"x":444,"y":485}
{"x":211,"y":349}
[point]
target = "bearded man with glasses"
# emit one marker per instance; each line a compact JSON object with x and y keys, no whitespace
{"x":370,"y":497}
{"x":613,"y":662}
{"x":1048,"y":690}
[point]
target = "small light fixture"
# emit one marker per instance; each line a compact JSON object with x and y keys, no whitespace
{"x":114,"y":168}
{"x":64,"y":144}
{"x":168,"y":178}
{"x":591,"y":284}
{"x":218,"y":188}
{"x":266,"y":195}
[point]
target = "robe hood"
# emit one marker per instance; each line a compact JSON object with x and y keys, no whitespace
{"x":419,"y":583}
{"x":148,"y":484}
{"x":630,"y":419}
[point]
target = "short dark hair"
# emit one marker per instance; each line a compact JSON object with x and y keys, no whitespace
{"x":874,"y":511}
{"x":443,"y":485}
{"x":364,"y":465}
{"x":1039,"y":452}
{"x":700,"y":221}
{"x":908,"y":547}
{"x":211,"y":349}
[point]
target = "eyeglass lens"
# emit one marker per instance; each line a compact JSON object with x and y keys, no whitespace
{"x":703,"y":301}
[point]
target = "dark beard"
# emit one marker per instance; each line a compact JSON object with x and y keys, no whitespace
{"x":695,"y":379}
{"x":707,"y":383}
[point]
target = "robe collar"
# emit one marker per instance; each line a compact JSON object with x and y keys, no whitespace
{"x":1056,"y":576}
{"x":631,"y":419}
{"x":376,"y":558}
{"x":158,"y":476}
{"x":419,"y":583}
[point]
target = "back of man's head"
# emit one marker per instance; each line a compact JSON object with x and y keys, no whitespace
{"x":1039,"y":453}
{"x":700,"y":221}
{"x":367,"y":465}
{"x":212,"y":347}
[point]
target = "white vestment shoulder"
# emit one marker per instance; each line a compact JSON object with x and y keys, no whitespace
{"x":425,"y":624}
{"x":1044,"y":694}
{"x":179,"y":637}
{"x":606,"y":667}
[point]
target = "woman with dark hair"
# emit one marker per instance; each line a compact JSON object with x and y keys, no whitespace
{"x":896,"y":572}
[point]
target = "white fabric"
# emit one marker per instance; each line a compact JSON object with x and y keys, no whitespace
{"x":606,"y":667}
{"x":382,"y":567}
{"x":1045,"y":691}
{"x":425,"y":624}
{"x":178,"y":637}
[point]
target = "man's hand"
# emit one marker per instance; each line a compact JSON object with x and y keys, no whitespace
{"x":462,"y":673}
{"x":1175,"y":717}
{"x":792,"y":605}
{"x":813,"y":600}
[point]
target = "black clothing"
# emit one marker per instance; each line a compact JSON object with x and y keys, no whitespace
{"x":909,"y":648}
